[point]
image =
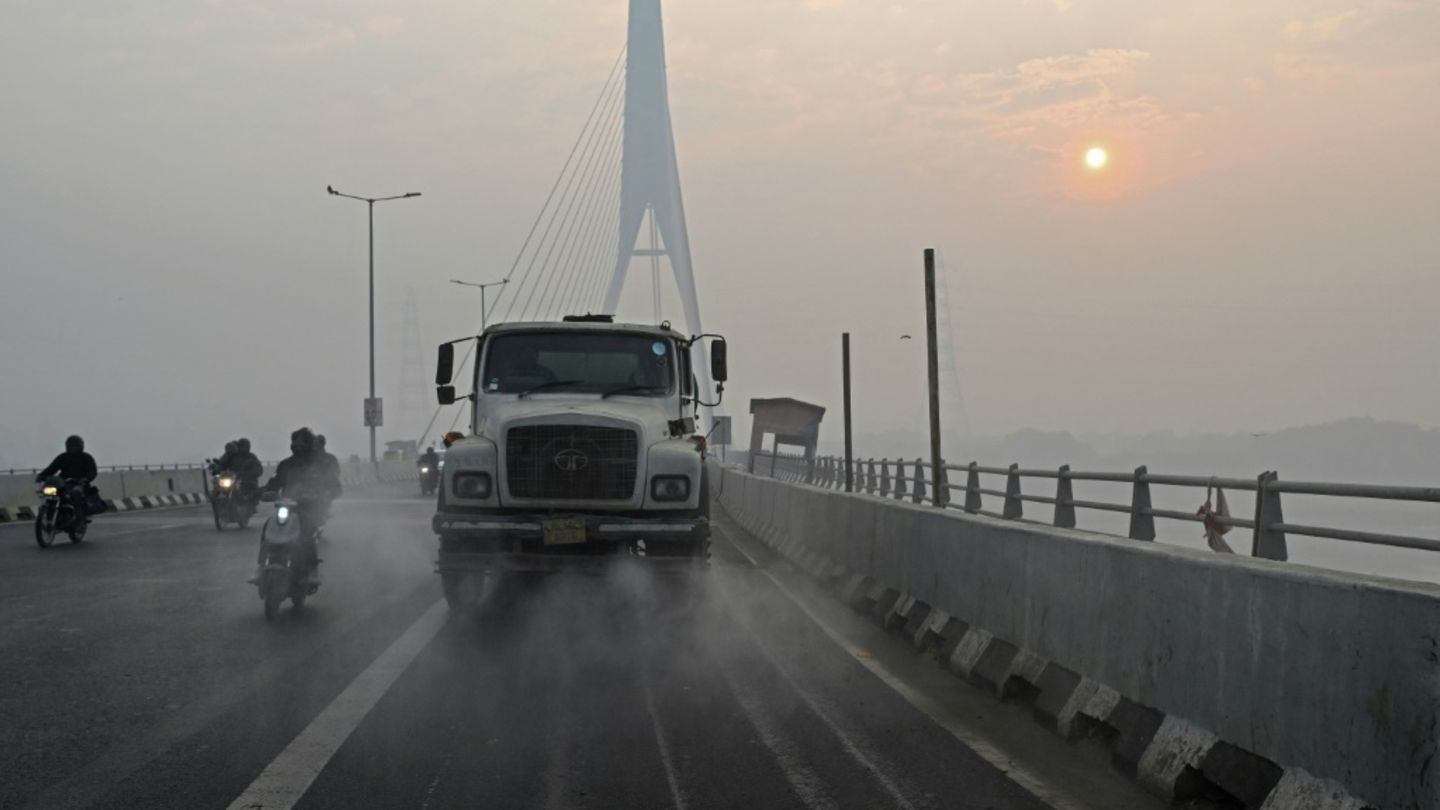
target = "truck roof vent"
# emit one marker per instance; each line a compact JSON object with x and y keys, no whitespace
{"x":589,"y":318}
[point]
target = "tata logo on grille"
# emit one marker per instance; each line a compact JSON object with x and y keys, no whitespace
{"x":571,"y":460}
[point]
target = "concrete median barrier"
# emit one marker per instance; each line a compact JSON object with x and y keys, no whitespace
{"x":1267,"y":681}
{"x":128,"y":490}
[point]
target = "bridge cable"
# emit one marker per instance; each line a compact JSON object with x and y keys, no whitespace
{"x":576,"y":211}
{"x":584,"y":143}
{"x":615,"y":70}
{"x":570,"y":264}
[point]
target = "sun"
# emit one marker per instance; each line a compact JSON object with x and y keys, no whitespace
{"x":1096,"y":158}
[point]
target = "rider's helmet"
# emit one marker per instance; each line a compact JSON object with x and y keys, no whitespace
{"x":243,"y":445}
{"x":320,"y":441}
{"x":74,"y":444}
{"x":302,"y":441}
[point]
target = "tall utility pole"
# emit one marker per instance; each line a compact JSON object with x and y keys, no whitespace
{"x":937,"y":470}
{"x":374,"y":416}
{"x":849,"y":445}
{"x":482,"y":288}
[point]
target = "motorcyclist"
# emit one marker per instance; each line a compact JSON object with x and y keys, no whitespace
{"x":247,"y":468}
{"x":305,"y":477}
{"x":76,"y":465}
{"x":226,"y":462}
{"x":429,"y":459}
{"x":330,"y":462}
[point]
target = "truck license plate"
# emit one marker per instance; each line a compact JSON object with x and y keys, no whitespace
{"x":565,"y":532}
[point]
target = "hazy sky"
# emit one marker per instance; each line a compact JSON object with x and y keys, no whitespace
{"x":1262,"y":250}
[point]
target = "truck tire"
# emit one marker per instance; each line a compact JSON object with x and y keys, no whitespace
{"x":463,"y":591}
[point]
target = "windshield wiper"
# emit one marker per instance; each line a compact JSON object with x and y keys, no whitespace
{"x":634,"y":389}
{"x":552,"y":384}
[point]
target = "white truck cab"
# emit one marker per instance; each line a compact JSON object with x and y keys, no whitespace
{"x":583,"y":447}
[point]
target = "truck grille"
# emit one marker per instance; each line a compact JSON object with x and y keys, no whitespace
{"x":571,"y":462}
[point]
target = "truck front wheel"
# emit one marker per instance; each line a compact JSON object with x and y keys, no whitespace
{"x":463,"y":591}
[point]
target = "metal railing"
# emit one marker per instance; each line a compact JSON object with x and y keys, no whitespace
{"x":114,"y":468}
{"x":905,"y":480}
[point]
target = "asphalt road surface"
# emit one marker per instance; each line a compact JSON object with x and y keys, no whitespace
{"x":136,"y":670}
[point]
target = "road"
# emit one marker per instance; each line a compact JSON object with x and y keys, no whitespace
{"x":138,"y":671}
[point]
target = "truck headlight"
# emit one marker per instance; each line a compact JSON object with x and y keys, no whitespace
{"x":670,"y":488}
{"x":475,"y":486}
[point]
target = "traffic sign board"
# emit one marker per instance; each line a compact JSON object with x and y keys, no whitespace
{"x":375,"y":412}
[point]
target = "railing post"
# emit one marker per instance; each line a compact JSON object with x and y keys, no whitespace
{"x":901,"y":485}
{"x":1142,"y":523}
{"x":973,"y":502}
{"x":1014,"y":507}
{"x":884,"y":477}
{"x":1065,"y":500}
{"x":919,"y":496}
{"x":1269,"y":544}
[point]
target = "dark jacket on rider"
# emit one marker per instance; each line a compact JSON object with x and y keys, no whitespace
{"x":76,"y":466}
{"x":248,"y":467}
{"x":429,"y":459}
{"x":310,"y":473}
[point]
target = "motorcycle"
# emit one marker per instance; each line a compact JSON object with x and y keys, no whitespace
{"x":287,"y":543}
{"x":62,"y":509}
{"x":429,"y":479}
{"x":228,"y":502}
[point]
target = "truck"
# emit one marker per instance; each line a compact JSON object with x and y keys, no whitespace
{"x":584,"y":448}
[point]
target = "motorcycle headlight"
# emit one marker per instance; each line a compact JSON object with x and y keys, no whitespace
{"x":226,"y":483}
{"x":424,"y":470}
{"x":670,"y":488}
{"x":471,"y":485}
{"x":49,"y":491}
{"x":282,"y":515}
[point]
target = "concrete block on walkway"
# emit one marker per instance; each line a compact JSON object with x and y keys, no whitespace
{"x":991,"y":671}
{"x":967,"y":652}
{"x":1170,"y":766}
{"x":916,"y":620}
{"x":880,"y":599}
{"x":1246,"y":776}
{"x":1057,"y":686}
{"x":1135,"y":726}
{"x":1298,"y":790}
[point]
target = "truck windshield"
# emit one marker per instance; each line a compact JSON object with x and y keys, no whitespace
{"x":589,"y":362}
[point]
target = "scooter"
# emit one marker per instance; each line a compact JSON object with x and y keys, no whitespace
{"x":429,"y":479}
{"x":287,"y":548}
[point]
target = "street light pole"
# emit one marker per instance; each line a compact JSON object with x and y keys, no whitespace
{"x":482,"y":288}
{"x":372,"y":415}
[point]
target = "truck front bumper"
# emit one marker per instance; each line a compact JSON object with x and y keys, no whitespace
{"x":478,"y":542}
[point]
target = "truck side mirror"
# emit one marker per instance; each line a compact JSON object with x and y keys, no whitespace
{"x":719,"y":371}
{"x":446,"y":394}
{"x":445,"y":369}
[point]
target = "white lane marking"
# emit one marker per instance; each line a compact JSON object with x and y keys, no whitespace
{"x":808,"y":786}
{"x":862,"y":758}
{"x":665,"y":758}
{"x":1017,"y":772}
{"x":284,"y":781}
